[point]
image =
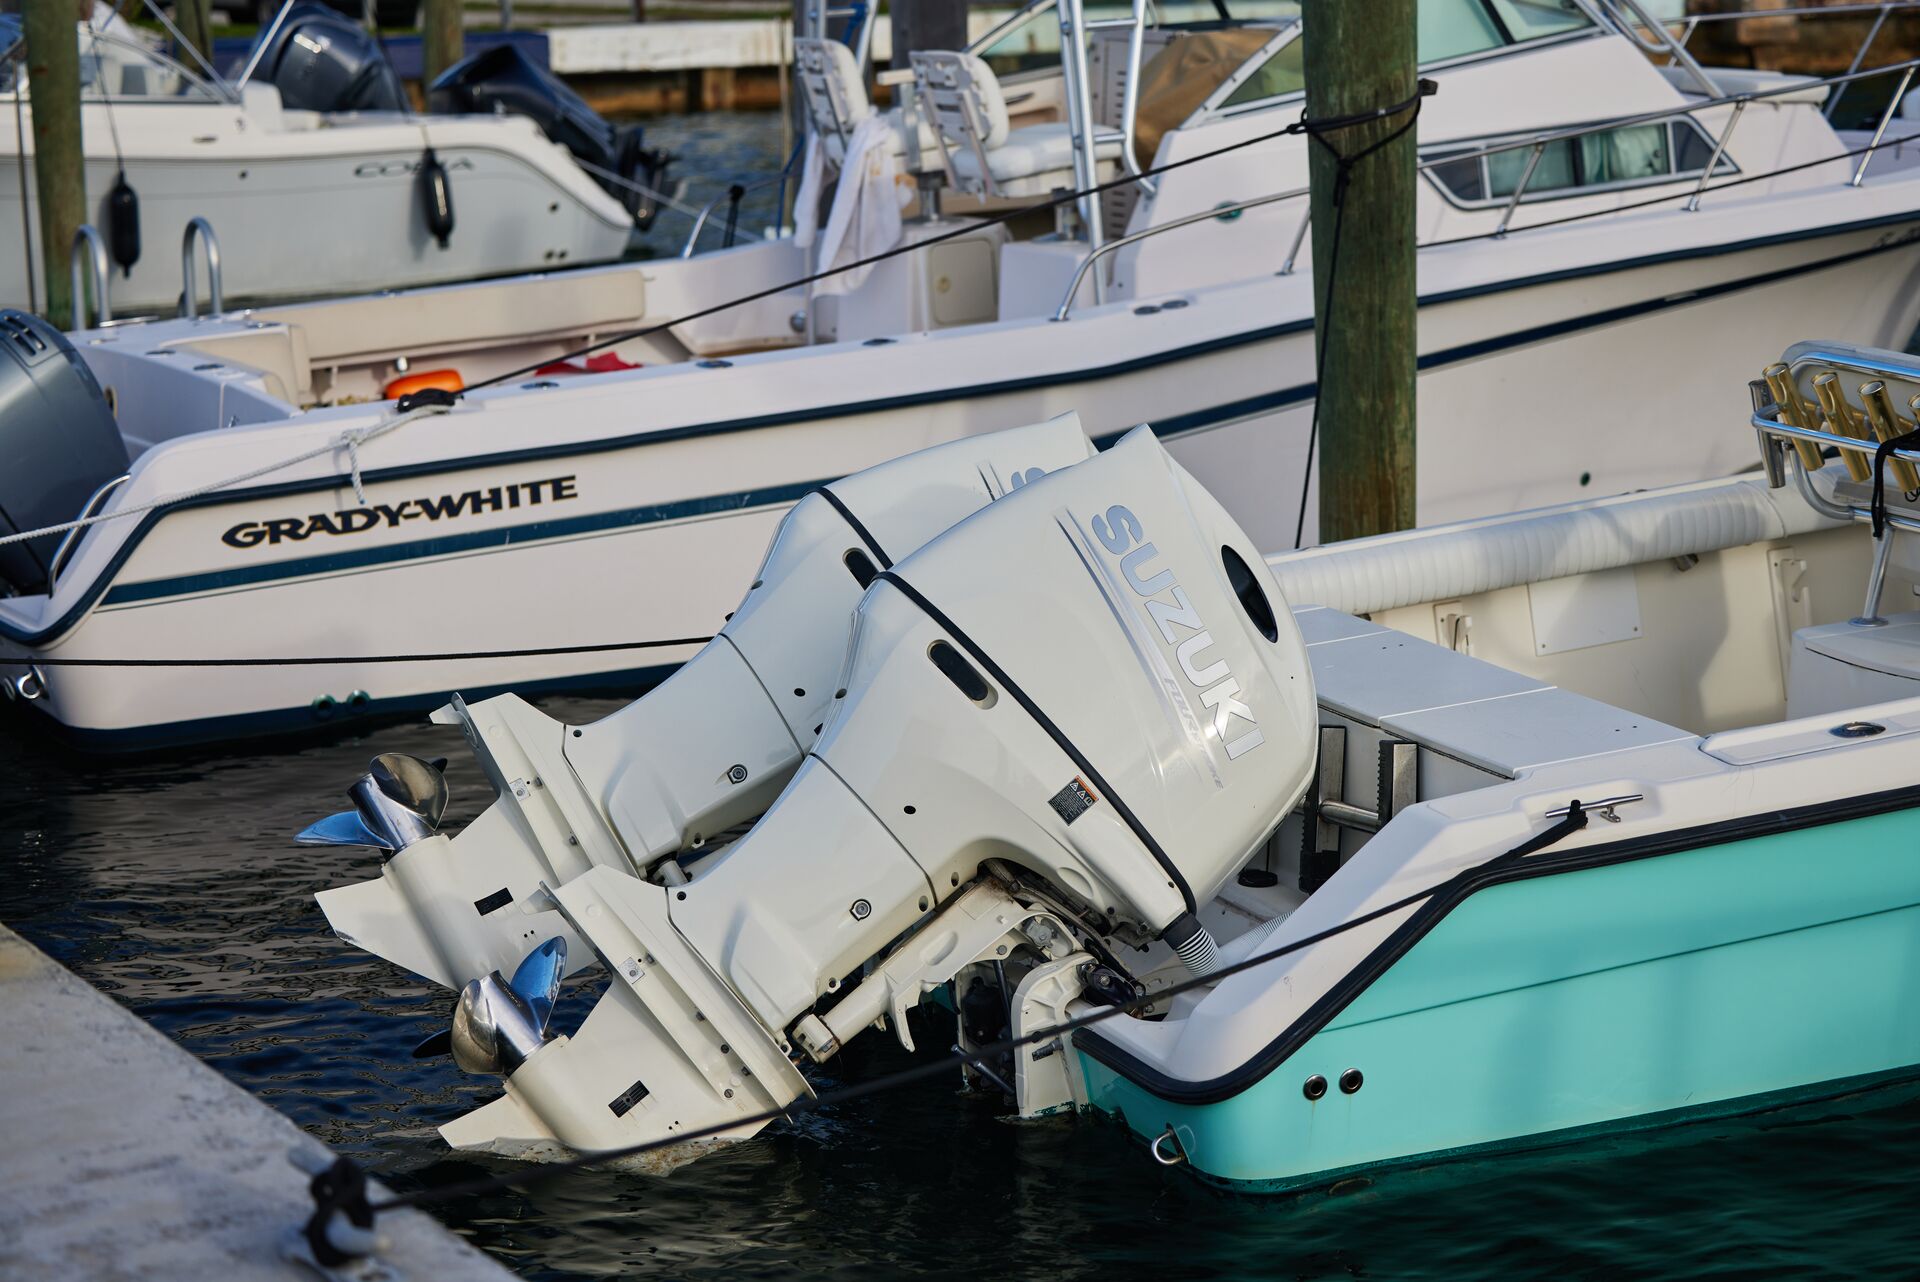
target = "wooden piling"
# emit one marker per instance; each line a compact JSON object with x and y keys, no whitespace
{"x":59,"y":168}
{"x":926,"y":24}
{"x":443,"y":36}
{"x":195,"y":20}
{"x":1360,"y":57}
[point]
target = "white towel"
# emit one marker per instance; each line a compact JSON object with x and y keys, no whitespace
{"x":806,"y":202}
{"x":865,"y":218}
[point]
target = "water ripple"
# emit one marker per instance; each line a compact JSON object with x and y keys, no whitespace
{"x":173,"y":885}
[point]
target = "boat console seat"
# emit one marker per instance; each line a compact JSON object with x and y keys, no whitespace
{"x":1850,"y":664}
{"x":983,"y":155}
{"x":475,"y":315}
{"x":836,"y":98}
{"x":1474,"y":723}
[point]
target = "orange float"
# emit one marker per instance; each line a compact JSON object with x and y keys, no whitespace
{"x":446,"y":380}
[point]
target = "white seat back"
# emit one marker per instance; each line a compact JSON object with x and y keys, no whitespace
{"x":835,"y":94}
{"x":962,"y":95}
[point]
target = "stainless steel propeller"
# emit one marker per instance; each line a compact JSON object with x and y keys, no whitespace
{"x":498,"y":1023}
{"x":400,"y":800}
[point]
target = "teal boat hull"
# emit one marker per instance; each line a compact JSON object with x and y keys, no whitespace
{"x":1711,"y":979}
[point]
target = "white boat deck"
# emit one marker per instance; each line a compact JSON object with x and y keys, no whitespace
{"x":126,"y":1157}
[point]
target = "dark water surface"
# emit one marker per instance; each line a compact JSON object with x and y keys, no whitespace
{"x":711,"y":149}
{"x":172,"y":884}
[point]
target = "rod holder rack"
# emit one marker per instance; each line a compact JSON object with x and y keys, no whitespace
{"x":1786,"y":444}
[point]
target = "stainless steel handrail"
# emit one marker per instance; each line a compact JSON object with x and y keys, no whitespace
{"x":1665,"y":43}
{"x":1880,"y":130}
{"x":1775,"y":437}
{"x":1539,"y":143}
{"x":1767,"y":423}
{"x":1739,"y":101}
{"x":1713,"y":161}
{"x":71,"y":539}
{"x":1771,"y":425}
{"x":89,"y":251}
{"x":1881,"y":9}
{"x":1520,"y":188}
{"x":1101,"y":251}
{"x":1859,"y":56}
{"x":198,"y":226}
{"x":706,"y":210}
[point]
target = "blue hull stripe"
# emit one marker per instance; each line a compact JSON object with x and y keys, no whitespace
{"x":446,"y":545}
{"x":305,"y":724}
{"x":1172,"y":425}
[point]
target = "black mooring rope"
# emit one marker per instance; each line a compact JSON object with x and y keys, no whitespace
{"x":1344,"y":164}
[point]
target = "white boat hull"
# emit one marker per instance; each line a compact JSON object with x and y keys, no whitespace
{"x":306,"y":212}
{"x":657,"y":531}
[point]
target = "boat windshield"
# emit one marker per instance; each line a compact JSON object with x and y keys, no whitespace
{"x":113,"y":68}
{"x":1448,"y":29}
{"x":1458,"y":28}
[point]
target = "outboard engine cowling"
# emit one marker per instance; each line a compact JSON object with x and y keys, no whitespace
{"x":503,"y":79}
{"x":58,"y":443}
{"x":708,"y":749}
{"x":321,"y":60}
{"x":1061,"y":726}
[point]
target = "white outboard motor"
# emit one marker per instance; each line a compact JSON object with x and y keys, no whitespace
{"x":707,"y":750}
{"x":1065,"y":722}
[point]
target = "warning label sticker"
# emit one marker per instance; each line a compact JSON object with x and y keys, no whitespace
{"x":1073,"y":800}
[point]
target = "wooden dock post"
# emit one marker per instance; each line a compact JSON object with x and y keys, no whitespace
{"x":926,"y":24}
{"x":59,"y":166}
{"x":1360,"y":57}
{"x":443,"y":36}
{"x":195,"y":20}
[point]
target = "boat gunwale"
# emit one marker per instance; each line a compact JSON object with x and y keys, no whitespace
{"x":1449,"y":895}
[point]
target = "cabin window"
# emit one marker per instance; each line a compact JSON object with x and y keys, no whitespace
{"x":1631,"y":156}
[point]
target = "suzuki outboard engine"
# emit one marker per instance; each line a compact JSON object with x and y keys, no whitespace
{"x":58,"y":444}
{"x":708,"y":749}
{"x":321,"y":60}
{"x":1062,"y":725}
{"x":502,"y":79}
